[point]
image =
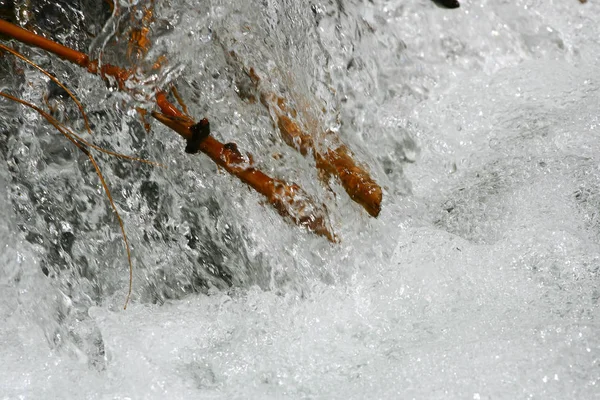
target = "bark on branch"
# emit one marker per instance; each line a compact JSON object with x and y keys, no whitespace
{"x":336,"y":160}
{"x":288,"y":199}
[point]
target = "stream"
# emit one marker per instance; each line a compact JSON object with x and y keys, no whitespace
{"x":480,"y":279}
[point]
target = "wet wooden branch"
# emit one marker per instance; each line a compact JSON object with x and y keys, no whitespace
{"x":139,"y":41}
{"x":336,"y":160}
{"x":288,"y":199}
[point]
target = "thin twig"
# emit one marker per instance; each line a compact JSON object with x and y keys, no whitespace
{"x":80,"y":144}
{"x":53,"y":78}
{"x":121,"y":224}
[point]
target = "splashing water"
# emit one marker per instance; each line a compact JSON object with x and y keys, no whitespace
{"x":480,"y":279}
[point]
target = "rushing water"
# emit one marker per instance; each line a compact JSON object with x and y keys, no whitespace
{"x":479,"y":280}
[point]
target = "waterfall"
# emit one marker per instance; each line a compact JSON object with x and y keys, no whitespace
{"x":478,"y":279}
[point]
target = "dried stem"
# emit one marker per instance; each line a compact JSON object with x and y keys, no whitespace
{"x":336,"y":161}
{"x":53,"y":78}
{"x":77,"y":141}
{"x":289,"y":200}
{"x":139,"y":43}
{"x":175,"y":93}
{"x":24,"y":36}
{"x":121,"y":224}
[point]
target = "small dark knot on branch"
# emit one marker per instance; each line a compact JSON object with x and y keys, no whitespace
{"x":232,"y":155}
{"x":231,"y":147}
{"x":200,"y":131}
{"x":447,"y":3}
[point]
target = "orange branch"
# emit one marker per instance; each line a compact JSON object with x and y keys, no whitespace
{"x":289,"y":200}
{"x":24,"y":36}
{"x":336,"y":161}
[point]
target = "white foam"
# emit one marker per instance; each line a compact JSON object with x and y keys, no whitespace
{"x":482,"y":283}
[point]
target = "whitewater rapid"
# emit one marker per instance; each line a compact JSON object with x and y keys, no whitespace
{"x":479,"y":280}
